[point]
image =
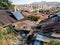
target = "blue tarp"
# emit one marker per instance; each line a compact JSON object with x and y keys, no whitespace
{"x":58,"y":14}
{"x":39,"y":37}
{"x":37,"y":42}
{"x":49,"y":36}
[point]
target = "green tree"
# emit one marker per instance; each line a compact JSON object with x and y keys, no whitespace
{"x":5,"y":4}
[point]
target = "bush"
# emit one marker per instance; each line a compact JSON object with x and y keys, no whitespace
{"x":33,"y":18}
{"x":52,"y":43}
{"x":9,"y":29}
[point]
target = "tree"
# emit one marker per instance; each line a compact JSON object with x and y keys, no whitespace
{"x":5,"y":4}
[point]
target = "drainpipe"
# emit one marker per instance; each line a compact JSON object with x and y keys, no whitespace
{"x":15,"y":9}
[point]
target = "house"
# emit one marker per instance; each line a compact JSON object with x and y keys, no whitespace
{"x":43,"y":16}
{"x":26,"y":13}
{"x":6,"y":17}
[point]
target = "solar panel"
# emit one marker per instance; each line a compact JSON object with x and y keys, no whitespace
{"x":18,"y":15}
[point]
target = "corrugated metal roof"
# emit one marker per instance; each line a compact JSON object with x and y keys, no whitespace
{"x":6,"y":17}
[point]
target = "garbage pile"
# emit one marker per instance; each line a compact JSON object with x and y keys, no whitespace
{"x":49,"y":28}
